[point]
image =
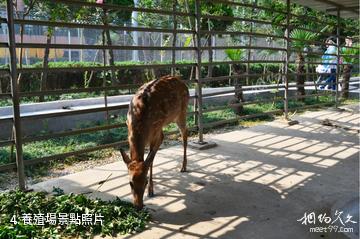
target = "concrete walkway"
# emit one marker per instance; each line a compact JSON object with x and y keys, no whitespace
{"x":256,"y":184}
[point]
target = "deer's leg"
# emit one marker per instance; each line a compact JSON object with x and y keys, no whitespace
{"x":184,"y":133}
{"x":155,"y":145}
{"x":150,"y":185}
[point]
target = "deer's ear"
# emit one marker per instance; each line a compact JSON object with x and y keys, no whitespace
{"x":125,"y":157}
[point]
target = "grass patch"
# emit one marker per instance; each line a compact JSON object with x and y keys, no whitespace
{"x":117,"y":216}
{"x":67,"y":144}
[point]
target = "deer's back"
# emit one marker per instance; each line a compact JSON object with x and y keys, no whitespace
{"x":158,"y":103}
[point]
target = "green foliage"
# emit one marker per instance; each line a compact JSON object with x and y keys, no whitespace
{"x":120,"y":16}
{"x":109,"y":16}
{"x":216,"y":9}
{"x":302,"y":37}
{"x":235,"y":54}
{"x":118,"y":216}
{"x":58,"y":191}
{"x":52,"y":11}
{"x":280,"y":18}
{"x":152,"y":19}
{"x":351,"y":26}
{"x":188,"y":41}
{"x":351,"y":55}
{"x":157,"y":20}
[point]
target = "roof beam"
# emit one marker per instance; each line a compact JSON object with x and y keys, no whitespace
{"x":353,"y":8}
{"x":337,"y":5}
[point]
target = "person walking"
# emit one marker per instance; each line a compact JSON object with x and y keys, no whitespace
{"x":329,"y":62}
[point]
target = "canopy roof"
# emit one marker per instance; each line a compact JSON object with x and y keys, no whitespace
{"x":348,"y":8}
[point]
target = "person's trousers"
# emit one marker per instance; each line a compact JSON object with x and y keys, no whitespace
{"x":331,"y":80}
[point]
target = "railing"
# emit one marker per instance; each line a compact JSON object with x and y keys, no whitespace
{"x":280,"y":91}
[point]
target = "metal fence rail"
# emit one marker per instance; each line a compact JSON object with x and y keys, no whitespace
{"x":242,"y":82}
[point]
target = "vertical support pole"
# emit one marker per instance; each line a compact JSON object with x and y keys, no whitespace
{"x":15,"y":96}
{"x":210,"y":49}
{"x":81,"y":35}
{"x":250,"y":44}
{"x":135,"y":34}
{"x":105,"y":43}
{"x":287,"y":56}
{"x":198,"y":69}
{"x":69,"y":42}
{"x":337,"y":58}
{"x":173,"y":56}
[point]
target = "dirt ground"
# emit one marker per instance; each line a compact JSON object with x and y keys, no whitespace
{"x":257,"y":183}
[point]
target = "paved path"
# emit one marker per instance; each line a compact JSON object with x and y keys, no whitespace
{"x":256,"y":184}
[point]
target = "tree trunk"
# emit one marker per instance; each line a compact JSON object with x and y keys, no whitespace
{"x":209,"y":42}
{"x":346,"y":81}
{"x":250,"y":44}
{"x":173,"y":52}
{"x":111,"y":57}
{"x":44,"y":74}
{"x":21,"y":52}
{"x":111,"y":52}
{"x":300,"y":75}
{"x":248,"y":59}
{"x":239,"y":96}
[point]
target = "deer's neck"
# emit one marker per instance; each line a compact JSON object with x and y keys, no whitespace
{"x":137,"y":143}
{"x":138,"y":127}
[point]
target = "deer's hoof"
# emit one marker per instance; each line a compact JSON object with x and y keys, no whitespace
{"x":151,"y":194}
{"x":183,"y":170}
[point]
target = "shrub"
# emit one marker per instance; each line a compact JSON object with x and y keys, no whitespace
{"x":74,"y":79}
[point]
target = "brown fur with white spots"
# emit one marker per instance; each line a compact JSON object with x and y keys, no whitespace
{"x":155,"y":105}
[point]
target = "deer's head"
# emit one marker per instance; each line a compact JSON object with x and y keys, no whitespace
{"x":138,"y":171}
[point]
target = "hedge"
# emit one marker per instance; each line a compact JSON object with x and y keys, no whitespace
{"x":73,"y":79}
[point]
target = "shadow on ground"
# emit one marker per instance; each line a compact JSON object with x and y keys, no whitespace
{"x":256,"y":184}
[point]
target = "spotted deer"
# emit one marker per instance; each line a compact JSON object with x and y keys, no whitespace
{"x":155,"y":105}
